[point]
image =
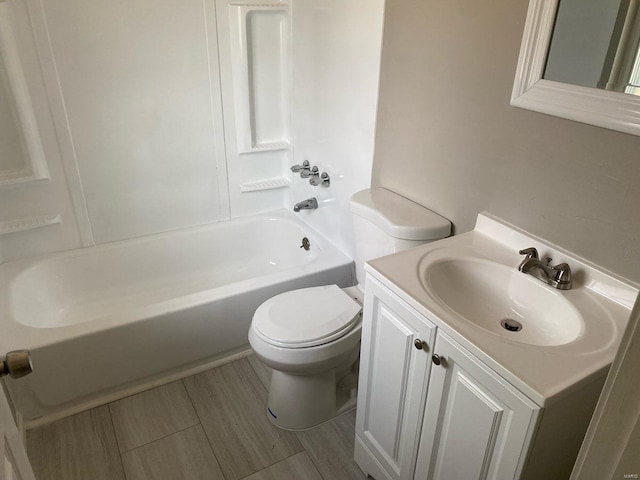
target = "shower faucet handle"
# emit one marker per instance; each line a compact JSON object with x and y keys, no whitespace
{"x":313,"y":172}
{"x":301,"y":168}
{"x":323,"y":180}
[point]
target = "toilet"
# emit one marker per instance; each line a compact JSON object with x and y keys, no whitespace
{"x":311,"y":337}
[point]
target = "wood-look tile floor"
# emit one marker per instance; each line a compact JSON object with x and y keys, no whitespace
{"x":206,"y":427}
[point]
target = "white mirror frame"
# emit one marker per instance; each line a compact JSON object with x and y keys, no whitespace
{"x":613,"y":110}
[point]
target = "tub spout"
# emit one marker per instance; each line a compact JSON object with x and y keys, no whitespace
{"x":308,"y":204}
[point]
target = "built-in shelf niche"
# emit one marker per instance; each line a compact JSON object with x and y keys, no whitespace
{"x":260,"y":45}
{"x":22,"y":159}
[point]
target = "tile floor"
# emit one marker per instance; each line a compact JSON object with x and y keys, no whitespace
{"x":208,"y":426}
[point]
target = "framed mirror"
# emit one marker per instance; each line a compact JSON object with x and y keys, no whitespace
{"x":22,"y":159}
{"x":581,"y":64}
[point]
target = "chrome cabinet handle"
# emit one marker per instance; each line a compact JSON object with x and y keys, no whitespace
{"x":419,"y":344}
{"x":436,"y":359}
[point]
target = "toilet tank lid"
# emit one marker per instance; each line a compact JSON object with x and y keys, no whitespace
{"x":398,"y":216}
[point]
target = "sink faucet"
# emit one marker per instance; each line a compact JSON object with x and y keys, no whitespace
{"x":558,"y":276}
{"x":308,"y":204}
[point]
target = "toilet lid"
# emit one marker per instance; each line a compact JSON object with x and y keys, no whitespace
{"x":306,"y":317}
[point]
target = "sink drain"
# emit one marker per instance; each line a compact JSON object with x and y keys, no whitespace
{"x":511,"y":325}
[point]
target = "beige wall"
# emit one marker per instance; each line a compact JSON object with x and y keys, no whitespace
{"x":448,"y":138}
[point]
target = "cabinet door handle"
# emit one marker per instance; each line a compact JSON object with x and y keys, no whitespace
{"x":419,"y":344}
{"x":436,"y":359}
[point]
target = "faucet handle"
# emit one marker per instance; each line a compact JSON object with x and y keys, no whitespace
{"x":313,"y":172}
{"x":563,"y":274}
{"x":530,"y":252}
{"x":300,"y":168}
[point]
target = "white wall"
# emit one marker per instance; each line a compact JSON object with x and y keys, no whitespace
{"x":13,"y":154}
{"x":37,"y":199}
{"x":128,"y":106}
{"x":136,"y":88}
{"x":336,"y":61}
{"x":448,"y":138}
{"x":129,"y":101}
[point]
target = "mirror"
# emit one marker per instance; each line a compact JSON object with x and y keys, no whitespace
{"x":595,"y":44}
{"x":21,"y":155}
{"x":579,"y":60}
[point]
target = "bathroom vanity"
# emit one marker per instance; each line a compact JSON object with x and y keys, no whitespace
{"x":450,"y":389}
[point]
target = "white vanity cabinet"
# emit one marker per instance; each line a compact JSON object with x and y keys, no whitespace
{"x":395,"y":363}
{"x":427,"y":408}
{"x":475,"y":424}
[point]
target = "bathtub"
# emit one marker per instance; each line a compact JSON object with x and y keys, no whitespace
{"x":106,"y":319}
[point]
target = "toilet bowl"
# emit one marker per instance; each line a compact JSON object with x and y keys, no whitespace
{"x":311,"y":340}
{"x":311,"y":337}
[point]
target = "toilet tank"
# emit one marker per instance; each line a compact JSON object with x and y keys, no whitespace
{"x":385,"y":223}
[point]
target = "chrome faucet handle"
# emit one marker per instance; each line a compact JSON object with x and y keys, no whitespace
{"x":563,"y":274}
{"x":314,"y":172}
{"x":300,"y":168}
{"x":323,"y":179}
{"x":530,"y":252}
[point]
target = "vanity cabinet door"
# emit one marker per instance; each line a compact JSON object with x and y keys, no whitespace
{"x":395,"y":363}
{"x":476,"y":425}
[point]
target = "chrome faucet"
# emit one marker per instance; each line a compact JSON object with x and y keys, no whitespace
{"x":312,"y":173}
{"x":558,"y":276}
{"x":303,"y":169}
{"x":308,"y":204}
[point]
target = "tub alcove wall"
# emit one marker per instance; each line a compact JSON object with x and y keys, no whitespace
{"x":177,"y":117}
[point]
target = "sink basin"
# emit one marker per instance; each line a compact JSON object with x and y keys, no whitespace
{"x":503,"y":301}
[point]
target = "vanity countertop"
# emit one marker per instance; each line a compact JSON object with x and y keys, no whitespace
{"x":543,"y":372}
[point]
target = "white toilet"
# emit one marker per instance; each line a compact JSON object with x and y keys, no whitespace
{"x":311,"y":337}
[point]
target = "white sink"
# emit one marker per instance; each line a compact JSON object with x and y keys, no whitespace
{"x":502,"y":300}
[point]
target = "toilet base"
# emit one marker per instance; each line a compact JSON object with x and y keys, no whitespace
{"x":299,"y":402}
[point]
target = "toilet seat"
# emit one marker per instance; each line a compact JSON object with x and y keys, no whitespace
{"x":306,"y":317}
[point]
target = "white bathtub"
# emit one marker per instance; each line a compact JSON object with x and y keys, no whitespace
{"x":101,"y":320}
